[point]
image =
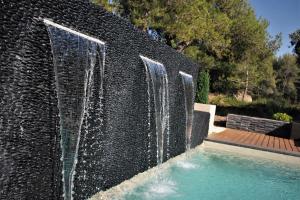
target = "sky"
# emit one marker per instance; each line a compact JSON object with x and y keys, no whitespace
{"x":283,"y":16}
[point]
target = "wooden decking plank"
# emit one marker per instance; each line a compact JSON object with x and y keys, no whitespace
{"x":242,"y":140}
{"x":294,"y":147}
{"x":276,"y":143}
{"x":297,"y":144}
{"x":265,"y":141}
{"x":271,"y":142}
{"x":228,"y":136}
{"x":218,"y":135}
{"x":249,"y":139}
{"x":224,"y":136}
{"x":260,"y":140}
{"x":281,"y":144}
{"x":240,"y":136}
{"x":255,"y":139}
{"x":243,"y":136}
{"x":287,"y":145}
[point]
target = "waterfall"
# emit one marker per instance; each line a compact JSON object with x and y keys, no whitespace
{"x":157,"y":79}
{"x":75,"y":56}
{"x":188,"y":87}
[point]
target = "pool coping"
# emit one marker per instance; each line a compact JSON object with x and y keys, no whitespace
{"x":252,"y":152}
{"x":265,"y":149}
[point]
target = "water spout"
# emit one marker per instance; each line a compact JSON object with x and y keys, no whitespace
{"x":188,"y":87}
{"x":157,"y":79}
{"x":75,"y":56}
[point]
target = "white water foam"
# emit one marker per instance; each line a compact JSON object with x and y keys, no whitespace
{"x":186,"y":165}
{"x":160,"y":188}
{"x":118,"y":192}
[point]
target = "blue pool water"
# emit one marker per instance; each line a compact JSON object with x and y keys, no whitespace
{"x":220,"y":176}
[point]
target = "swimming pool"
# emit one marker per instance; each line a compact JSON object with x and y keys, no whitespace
{"x":212,"y":175}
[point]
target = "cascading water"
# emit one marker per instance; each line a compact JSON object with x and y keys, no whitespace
{"x":75,"y":56}
{"x":157,"y":79}
{"x":188,"y":87}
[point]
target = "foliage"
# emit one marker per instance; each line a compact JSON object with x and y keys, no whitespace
{"x":295,"y":42}
{"x":225,"y":100}
{"x":287,"y":73}
{"x":106,"y":4}
{"x":224,"y":36}
{"x":283,"y":117}
{"x":202,"y":88}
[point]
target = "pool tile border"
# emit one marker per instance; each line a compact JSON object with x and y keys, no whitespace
{"x":244,"y":150}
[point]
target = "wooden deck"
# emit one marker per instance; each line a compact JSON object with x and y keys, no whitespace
{"x":257,"y":141}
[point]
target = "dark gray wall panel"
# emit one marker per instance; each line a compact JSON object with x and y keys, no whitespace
{"x":29,"y":119}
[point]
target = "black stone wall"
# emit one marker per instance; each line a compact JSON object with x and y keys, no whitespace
{"x":30,"y":166}
{"x":260,"y":125}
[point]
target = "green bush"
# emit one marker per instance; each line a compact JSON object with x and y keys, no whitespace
{"x":283,"y":117}
{"x":202,"y":87}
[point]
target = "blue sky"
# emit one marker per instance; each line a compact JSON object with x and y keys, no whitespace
{"x":283,"y":15}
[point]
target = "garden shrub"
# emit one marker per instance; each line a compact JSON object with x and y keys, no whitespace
{"x":202,"y":88}
{"x":283,"y":117}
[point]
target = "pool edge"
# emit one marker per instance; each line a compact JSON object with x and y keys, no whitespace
{"x":253,"y":152}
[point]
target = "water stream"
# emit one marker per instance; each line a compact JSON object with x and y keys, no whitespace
{"x":75,"y":56}
{"x":157,"y":79}
{"x":188,"y":87}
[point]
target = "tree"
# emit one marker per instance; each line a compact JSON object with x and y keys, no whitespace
{"x":295,"y":42}
{"x":197,"y":21}
{"x":202,"y":87}
{"x":223,"y":36}
{"x":287,"y":73}
{"x":251,"y":48}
